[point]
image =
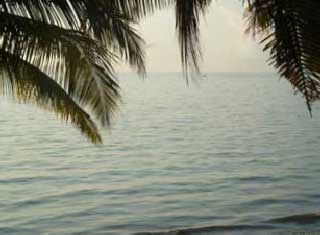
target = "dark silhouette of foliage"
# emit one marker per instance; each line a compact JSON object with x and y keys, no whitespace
{"x":60,"y":54}
{"x":291,"y":35}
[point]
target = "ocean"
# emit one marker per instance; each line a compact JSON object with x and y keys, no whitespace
{"x":226,"y":154}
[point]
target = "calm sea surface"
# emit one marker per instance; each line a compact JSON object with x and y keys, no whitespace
{"x":234,"y":154}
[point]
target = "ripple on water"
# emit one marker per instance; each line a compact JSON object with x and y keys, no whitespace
{"x":187,"y":160}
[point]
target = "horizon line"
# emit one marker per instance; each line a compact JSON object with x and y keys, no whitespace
{"x":203,"y":73}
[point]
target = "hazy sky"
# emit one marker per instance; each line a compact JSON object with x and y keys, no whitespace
{"x":226,"y":48}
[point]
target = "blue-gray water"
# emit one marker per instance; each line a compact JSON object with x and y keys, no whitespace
{"x":237,"y":151}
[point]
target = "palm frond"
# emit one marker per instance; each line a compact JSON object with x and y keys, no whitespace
{"x":75,"y":44}
{"x":79,"y":11}
{"x":138,"y":9}
{"x":188,"y":15}
{"x":80,"y":64}
{"x":29,"y":84}
{"x":101,"y":20}
{"x":293,"y":33}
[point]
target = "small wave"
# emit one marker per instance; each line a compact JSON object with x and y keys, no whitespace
{"x":262,"y":228}
{"x":211,"y":229}
{"x":258,"y":179}
{"x":298,"y":219}
{"x":271,"y":201}
{"x":26,"y":180}
{"x":43,"y":200}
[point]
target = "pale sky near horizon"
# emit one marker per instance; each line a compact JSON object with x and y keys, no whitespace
{"x":226,"y":48}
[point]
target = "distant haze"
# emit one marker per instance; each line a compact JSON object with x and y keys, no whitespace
{"x":226,"y":48}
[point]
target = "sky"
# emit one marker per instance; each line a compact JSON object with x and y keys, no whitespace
{"x":225,"y":46}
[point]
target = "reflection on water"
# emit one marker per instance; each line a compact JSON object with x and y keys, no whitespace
{"x":237,"y":153}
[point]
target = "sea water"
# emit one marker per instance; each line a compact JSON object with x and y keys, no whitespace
{"x":228,"y":154}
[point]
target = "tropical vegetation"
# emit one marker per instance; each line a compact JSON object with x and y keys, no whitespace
{"x":60,"y":54}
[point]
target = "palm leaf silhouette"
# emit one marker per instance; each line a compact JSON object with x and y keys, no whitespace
{"x":29,"y":84}
{"x":60,"y":54}
{"x":291,"y":36}
{"x":292,"y":39}
{"x":188,"y":15}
